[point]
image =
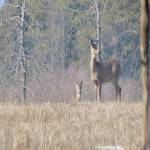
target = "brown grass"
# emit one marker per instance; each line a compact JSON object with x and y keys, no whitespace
{"x":62,"y":126}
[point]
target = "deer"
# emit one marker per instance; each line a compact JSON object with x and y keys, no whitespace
{"x":78,"y":90}
{"x":102,"y":71}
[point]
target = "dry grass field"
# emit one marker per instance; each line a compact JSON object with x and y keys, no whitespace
{"x":63,"y":126}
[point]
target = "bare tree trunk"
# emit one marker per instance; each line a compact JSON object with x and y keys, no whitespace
{"x":144,"y":29}
{"x":98,"y":27}
{"x":63,"y":38}
{"x":23,"y":55}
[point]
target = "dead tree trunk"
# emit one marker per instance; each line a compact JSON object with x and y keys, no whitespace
{"x":144,"y":30}
{"x":23,"y":55}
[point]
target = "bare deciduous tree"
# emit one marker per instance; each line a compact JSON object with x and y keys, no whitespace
{"x":22,"y":50}
{"x":98,"y":28}
{"x":22,"y":55}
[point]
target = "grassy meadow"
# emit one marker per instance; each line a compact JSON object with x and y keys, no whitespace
{"x":61,"y":126}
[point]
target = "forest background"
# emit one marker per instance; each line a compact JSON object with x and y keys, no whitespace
{"x":56,"y":43}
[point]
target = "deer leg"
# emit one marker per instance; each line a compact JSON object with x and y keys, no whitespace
{"x":99,"y":92}
{"x":96,"y":89}
{"x":118,"y":91}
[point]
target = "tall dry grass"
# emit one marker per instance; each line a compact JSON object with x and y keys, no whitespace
{"x":61,"y":126}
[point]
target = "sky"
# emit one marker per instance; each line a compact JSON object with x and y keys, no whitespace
{"x":1,"y":2}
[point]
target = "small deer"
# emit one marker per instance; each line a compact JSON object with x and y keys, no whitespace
{"x":104,"y":71}
{"x":78,"y":90}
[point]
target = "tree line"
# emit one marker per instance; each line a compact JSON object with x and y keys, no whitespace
{"x":56,"y":34}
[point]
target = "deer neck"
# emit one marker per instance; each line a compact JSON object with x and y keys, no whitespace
{"x":93,"y":66}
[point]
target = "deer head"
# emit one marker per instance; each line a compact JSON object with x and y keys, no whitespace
{"x":79,"y":85}
{"x":94,"y":47}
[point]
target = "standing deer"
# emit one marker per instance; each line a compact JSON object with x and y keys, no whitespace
{"x":104,"y":71}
